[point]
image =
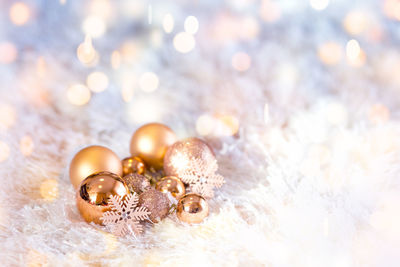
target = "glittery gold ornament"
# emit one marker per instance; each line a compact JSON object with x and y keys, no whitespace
{"x":155,"y":202}
{"x":92,"y":196}
{"x":179,"y":155}
{"x":192,"y":208}
{"x":133,"y":165}
{"x":150,"y":142}
{"x":136,"y":183}
{"x":171,"y":184}
{"x":91,"y":160}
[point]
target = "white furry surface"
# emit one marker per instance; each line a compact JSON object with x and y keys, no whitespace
{"x":316,"y":183}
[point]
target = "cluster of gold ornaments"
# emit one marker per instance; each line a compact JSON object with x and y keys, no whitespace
{"x":145,"y":186}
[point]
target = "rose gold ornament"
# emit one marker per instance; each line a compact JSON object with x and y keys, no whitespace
{"x":136,"y":183}
{"x":92,"y":196}
{"x":171,"y":184}
{"x":155,"y":202}
{"x":182,"y":152}
{"x":192,"y":208}
{"x":91,"y":160}
{"x":133,"y":165}
{"x":150,"y":142}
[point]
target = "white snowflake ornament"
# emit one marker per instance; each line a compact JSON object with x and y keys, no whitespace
{"x":125,"y":216}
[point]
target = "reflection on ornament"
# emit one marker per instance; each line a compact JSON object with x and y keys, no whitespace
{"x":93,"y":159}
{"x":94,"y":192}
{"x":192,"y":208}
{"x":171,"y":184}
{"x":133,"y":165}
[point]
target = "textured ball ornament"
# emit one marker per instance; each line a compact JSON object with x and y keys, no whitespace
{"x":91,"y":160}
{"x":192,"y":208}
{"x":182,"y":152}
{"x":156,"y":202}
{"x":133,"y":165}
{"x":173,"y":185}
{"x":150,"y":142}
{"x":136,"y":183}
{"x":92,"y":196}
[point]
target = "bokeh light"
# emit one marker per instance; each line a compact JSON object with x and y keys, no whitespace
{"x":191,"y":25}
{"x":227,"y":125}
{"x":19,"y":13}
{"x":26,"y":145}
{"x":241,"y":61}
{"x":319,"y":4}
{"x":49,"y":189}
{"x":355,"y":56}
{"x":97,"y":81}
{"x":378,"y":113}
{"x":168,"y":23}
{"x":86,"y":52}
{"x":148,"y":82}
{"x":184,"y":42}
{"x":330,"y":53}
{"x":94,"y":26}
{"x":8,"y":52}
{"x":78,"y":94}
{"x":115,"y":59}
{"x":8,"y":116}
{"x":4,"y":151}
{"x":355,"y":22}
{"x":270,"y":11}
{"x":205,"y":125}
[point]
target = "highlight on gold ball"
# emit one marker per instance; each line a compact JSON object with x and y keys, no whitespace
{"x":133,"y":165}
{"x":172,"y":185}
{"x":192,"y":208}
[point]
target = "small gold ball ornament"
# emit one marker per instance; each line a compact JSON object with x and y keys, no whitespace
{"x":192,"y":208}
{"x":91,"y":160}
{"x":92,"y":196}
{"x":133,"y":165}
{"x":179,"y":155}
{"x":155,"y":202}
{"x":150,"y":142}
{"x":136,"y":183}
{"x":171,"y":184}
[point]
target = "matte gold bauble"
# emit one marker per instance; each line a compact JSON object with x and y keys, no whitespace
{"x":136,"y":183}
{"x":150,"y":142}
{"x":179,"y":155}
{"x":133,"y":165}
{"x":171,"y":184}
{"x":192,"y":208}
{"x":91,"y":160}
{"x":155,"y":202}
{"x":92,"y":196}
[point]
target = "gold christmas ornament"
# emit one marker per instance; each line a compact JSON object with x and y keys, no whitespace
{"x":171,"y":184}
{"x":91,"y":160}
{"x":150,"y":142}
{"x":94,"y":192}
{"x":136,"y":183}
{"x":179,"y":155}
{"x":155,"y":202}
{"x":133,"y":165}
{"x":192,"y":208}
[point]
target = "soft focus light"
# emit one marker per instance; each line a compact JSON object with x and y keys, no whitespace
{"x":41,"y":67}
{"x":247,"y":28}
{"x":355,"y":22}
{"x":4,"y":151}
{"x":148,"y":82}
{"x":241,"y":61}
{"x":266,"y":113}
{"x":205,"y":125}
{"x":319,"y":4}
{"x":19,"y":13}
{"x":86,"y":53}
{"x":49,"y":189}
{"x":336,"y":114}
{"x":128,"y":81}
{"x":191,"y":25}
{"x":270,"y":11}
{"x":227,"y":125}
{"x":378,"y":114}
{"x":8,"y":116}
{"x":355,"y":56}
{"x":26,"y":145}
{"x":130,"y":50}
{"x":145,"y":110}
{"x":391,"y":8}
{"x":8,"y":52}
{"x":94,"y":26}
{"x":97,"y":81}
{"x":101,"y":8}
{"x":168,"y":23}
{"x":78,"y":94}
{"x":115,"y":60}
{"x":330,"y":53}
{"x":184,"y":42}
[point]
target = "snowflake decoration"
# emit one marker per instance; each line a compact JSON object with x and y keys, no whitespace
{"x":201,"y":176}
{"x":125,"y":216}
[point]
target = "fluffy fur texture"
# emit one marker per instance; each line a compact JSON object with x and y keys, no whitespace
{"x":312,"y":182}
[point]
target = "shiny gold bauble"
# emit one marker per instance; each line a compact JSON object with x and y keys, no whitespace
{"x":192,"y":208}
{"x":91,"y":160}
{"x":150,"y":142}
{"x":171,"y":184}
{"x":182,"y":152}
{"x":133,"y":165}
{"x":92,"y":196}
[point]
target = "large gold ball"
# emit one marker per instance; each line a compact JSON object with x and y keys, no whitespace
{"x":171,"y":184}
{"x":192,"y":208}
{"x":91,"y":160}
{"x":150,"y":142}
{"x":133,"y":165}
{"x":92,"y":196}
{"x":182,"y":152}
